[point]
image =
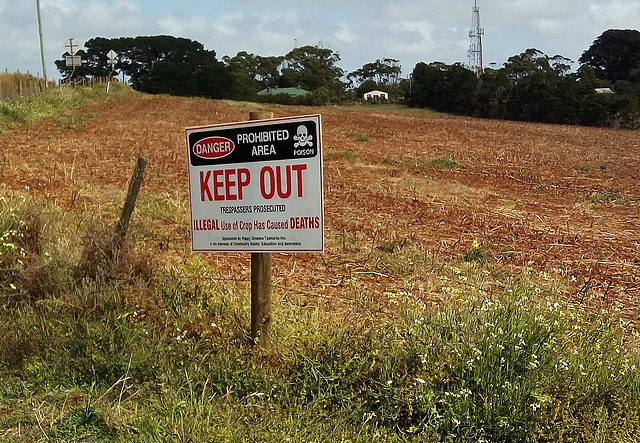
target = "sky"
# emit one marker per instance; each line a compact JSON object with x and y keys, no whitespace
{"x":360,"y":31}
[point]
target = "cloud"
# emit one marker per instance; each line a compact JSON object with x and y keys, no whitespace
{"x":616,"y":15}
{"x":346,"y":34}
{"x":180,"y":24}
{"x":120,"y":18}
{"x":361,"y":32}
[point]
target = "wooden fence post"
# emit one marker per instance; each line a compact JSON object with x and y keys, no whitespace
{"x":261,"y":283}
{"x":129,"y":204}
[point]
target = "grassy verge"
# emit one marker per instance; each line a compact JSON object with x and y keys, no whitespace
{"x":100,"y":347}
{"x":55,"y":103}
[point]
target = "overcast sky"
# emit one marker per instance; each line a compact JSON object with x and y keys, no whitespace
{"x":361,"y":31}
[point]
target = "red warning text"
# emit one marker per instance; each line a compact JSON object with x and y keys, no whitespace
{"x":230,"y":184}
{"x":224,"y":184}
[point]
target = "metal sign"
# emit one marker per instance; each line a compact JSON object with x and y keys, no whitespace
{"x":257,"y":186}
{"x":112,"y":58}
{"x":72,"y":46}
{"x":73,"y":61}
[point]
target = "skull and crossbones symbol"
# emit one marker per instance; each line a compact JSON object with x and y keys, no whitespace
{"x":303,"y":138}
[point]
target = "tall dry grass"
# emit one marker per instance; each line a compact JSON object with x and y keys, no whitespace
{"x":17,"y":84}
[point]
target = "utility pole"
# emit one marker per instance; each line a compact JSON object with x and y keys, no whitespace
{"x":44,"y":65}
{"x":475,"y":48}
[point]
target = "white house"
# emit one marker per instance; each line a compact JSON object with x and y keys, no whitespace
{"x":604,"y":91}
{"x":376,"y":96}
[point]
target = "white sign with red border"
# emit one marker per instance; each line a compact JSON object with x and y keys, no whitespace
{"x":257,"y":186}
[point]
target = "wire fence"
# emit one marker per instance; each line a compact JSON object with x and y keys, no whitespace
{"x":86,"y":81}
{"x":17,"y":85}
{"x":25,"y":85}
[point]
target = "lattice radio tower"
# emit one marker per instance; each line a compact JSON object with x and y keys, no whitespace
{"x":475,"y":48}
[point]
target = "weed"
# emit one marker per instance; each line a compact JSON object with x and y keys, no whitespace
{"x":143,"y":353}
{"x":360,"y":137}
{"x":504,"y":369}
{"x":445,"y":163}
{"x":542,"y":186}
{"x":479,"y":255}
{"x":389,"y":246}
{"x":349,"y":154}
{"x":585,"y":168}
{"x":388,"y":160}
{"x":476,"y":254}
{"x":602,"y":197}
{"x":27,"y":271}
{"x":83,"y":423}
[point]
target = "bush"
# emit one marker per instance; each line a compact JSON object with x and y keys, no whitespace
{"x":171,"y":345}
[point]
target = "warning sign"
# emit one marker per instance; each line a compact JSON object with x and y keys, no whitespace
{"x":257,"y":186}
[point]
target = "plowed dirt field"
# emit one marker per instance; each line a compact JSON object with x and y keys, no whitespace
{"x":405,"y":192}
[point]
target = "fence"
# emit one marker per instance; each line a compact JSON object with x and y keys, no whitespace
{"x":22,"y":85}
{"x":86,"y":81}
{"x":25,"y":85}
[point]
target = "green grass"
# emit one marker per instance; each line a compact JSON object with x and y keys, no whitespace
{"x":420,"y":166}
{"x":360,"y":137}
{"x":541,"y":187}
{"x":602,"y":197}
{"x":139,"y":350}
{"x":395,"y":108}
{"x":124,"y":348}
{"x":446,"y":163}
{"x":479,"y":255}
{"x":56,"y":104}
{"x":334,"y":155}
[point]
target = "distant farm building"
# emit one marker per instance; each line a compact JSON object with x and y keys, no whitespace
{"x":604,"y":91}
{"x":294,"y":92}
{"x":376,"y":96}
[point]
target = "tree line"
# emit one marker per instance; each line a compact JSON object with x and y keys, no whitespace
{"x":531,"y":86}
{"x":180,"y":66}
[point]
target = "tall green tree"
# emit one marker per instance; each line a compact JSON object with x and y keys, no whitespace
{"x":615,"y":55}
{"x":160,"y":64}
{"x":243,"y":68}
{"x":263,"y":70}
{"x":252,"y":73}
{"x":382,"y":72}
{"x":530,"y":87}
{"x":445,"y":88}
{"x":492,"y":94}
{"x":541,"y":90}
{"x":312,"y":68}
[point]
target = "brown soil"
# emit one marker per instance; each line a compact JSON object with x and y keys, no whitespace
{"x":564,"y":200}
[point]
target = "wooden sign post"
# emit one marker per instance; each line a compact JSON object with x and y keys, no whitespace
{"x":256,"y":186}
{"x":261,"y":282}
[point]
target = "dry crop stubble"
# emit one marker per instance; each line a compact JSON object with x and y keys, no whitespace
{"x":518,"y":189}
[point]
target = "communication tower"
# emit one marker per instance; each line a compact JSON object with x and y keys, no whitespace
{"x":475,"y":48}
